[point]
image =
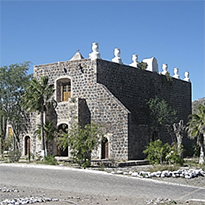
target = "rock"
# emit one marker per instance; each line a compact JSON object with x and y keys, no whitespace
{"x":163,"y":175}
{"x":135,"y":174}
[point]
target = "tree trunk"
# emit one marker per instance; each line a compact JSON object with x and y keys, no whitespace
{"x":201,"y":144}
{"x":201,"y":158}
{"x":42,"y":135}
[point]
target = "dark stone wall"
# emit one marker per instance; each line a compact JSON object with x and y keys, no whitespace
{"x":133,"y":87}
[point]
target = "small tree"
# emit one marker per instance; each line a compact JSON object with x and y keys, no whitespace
{"x":50,"y":132}
{"x":13,"y":80}
{"x":160,"y":115}
{"x":82,"y":141}
{"x":196,"y":129}
{"x":179,"y":130}
{"x":156,"y":152}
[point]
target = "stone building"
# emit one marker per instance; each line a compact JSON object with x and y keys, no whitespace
{"x":108,"y":93}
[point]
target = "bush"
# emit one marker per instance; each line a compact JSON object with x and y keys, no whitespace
{"x":156,"y":152}
{"x":14,"y":156}
{"x":174,"y":156}
{"x":50,"y":160}
{"x":82,"y":141}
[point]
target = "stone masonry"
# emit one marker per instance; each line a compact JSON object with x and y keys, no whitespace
{"x":111,"y":94}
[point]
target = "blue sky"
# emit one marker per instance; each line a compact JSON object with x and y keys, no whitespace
{"x":51,"y":31}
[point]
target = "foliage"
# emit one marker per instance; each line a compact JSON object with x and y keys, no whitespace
{"x":196,"y":150}
{"x":13,"y":80}
{"x":196,"y":129}
{"x":174,"y":155}
{"x":160,"y":113}
{"x":82,"y":142}
{"x":38,"y":97}
{"x":168,"y":76}
{"x":14,"y":155}
{"x":50,"y":132}
{"x":50,"y":160}
{"x":7,"y":143}
{"x":157,"y":153}
{"x":142,"y":65}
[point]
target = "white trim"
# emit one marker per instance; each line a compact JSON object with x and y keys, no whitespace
{"x":62,"y":122}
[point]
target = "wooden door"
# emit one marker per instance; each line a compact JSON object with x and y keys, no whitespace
{"x":27,"y":145}
{"x":104,"y":151}
{"x":66,"y":91}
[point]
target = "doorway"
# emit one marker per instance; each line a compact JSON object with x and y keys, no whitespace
{"x":62,"y":128}
{"x":27,"y":145}
{"x":104,"y":148}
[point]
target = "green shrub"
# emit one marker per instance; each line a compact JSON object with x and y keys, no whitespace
{"x":50,"y":160}
{"x":14,"y":156}
{"x":174,"y":156}
{"x":156,"y":152}
{"x":82,"y":141}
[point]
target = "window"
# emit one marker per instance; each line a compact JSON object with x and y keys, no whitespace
{"x":10,"y":132}
{"x":66,"y":88}
{"x":63,"y":89}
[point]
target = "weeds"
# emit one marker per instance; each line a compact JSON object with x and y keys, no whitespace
{"x":14,"y":156}
{"x":50,"y":160}
{"x":156,"y":168}
{"x":102,"y":167}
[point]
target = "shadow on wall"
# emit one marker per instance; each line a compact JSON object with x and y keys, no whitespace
{"x":84,"y":115}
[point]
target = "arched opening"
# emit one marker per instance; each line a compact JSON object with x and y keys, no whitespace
{"x":27,"y":145}
{"x":63,"y":89}
{"x":62,"y":128}
{"x":104,"y":148}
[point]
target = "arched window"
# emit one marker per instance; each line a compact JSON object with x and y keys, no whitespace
{"x":63,"y":89}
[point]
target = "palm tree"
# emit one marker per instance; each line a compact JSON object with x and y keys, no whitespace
{"x":196,"y":128}
{"x":38,"y":97}
{"x":50,"y":132}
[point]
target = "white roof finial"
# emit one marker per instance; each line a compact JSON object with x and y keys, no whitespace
{"x":164,"y":69}
{"x":95,"y":54}
{"x":176,"y":70}
{"x":117,"y":58}
{"x":134,"y":59}
{"x":186,"y":74}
